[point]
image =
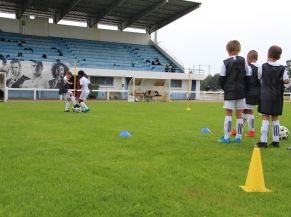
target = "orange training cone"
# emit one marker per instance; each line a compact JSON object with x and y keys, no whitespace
{"x":255,"y":179}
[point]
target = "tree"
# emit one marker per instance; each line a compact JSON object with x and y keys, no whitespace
{"x":210,"y":83}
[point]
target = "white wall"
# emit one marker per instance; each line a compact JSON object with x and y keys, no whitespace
{"x":37,"y":26}
{"x":98,"y":34}
{"x":9,"y":25}
{"x":198,"y":86}
{"x":41,"y":27}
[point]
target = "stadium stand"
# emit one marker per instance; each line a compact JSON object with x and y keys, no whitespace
{"x":86,"y":53}
{"x":111,"y":59}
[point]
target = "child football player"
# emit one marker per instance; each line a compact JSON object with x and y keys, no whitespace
{"x":64,"y":90}
{"x":233,"y":76}
{"x":252,"y":92}
{"x":86,"y":87}
{"x":272,"y":77}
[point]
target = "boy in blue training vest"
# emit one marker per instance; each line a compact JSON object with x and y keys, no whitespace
{"x":233,"y":80}
{"x":272,"y":77}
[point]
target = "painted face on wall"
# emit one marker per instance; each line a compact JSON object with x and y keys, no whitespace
{"x":15,"y":69}
{"x":36,"y":68}
{"x":60,"y":71}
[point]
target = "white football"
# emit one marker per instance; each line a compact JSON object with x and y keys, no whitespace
{"x":77,"y":110}
{"x":284,"y":132}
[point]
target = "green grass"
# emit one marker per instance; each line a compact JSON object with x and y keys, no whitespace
{"x":56,"y":164}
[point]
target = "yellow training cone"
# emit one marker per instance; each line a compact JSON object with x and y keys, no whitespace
{"x":255,"y":179}
{"x":188,"y":109}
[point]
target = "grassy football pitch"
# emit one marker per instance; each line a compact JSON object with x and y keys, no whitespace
{"x":56,"y":164}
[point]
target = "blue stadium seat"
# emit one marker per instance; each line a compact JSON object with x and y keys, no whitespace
{"x":86,"y":53}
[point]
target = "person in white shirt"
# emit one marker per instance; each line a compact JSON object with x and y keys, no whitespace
{"x":86,"y":87}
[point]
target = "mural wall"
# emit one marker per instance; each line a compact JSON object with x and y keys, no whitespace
{"x":33,"y":74}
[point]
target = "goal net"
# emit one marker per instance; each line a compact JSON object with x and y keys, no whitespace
{"x":147,"y":89}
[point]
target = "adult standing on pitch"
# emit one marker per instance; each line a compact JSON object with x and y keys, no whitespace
{"x":86,"y":87}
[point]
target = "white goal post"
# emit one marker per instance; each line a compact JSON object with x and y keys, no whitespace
{"x":3,"y":92}
{"x":149,"y":89}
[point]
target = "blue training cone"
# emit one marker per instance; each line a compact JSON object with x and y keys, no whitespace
{"x":205,"y":130}
{"x":124,"y":134}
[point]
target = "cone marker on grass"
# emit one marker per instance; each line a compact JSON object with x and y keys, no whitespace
{"x":255,"y":178}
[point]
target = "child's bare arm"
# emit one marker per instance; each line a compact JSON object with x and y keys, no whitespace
{"x":68,"y":82}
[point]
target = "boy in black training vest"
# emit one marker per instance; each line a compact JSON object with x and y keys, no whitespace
{"x":252,"y":92}
{"x":233,"y":79}
{"x":272,"y":77}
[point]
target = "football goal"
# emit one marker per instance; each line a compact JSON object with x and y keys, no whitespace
{"x":148,"y":89}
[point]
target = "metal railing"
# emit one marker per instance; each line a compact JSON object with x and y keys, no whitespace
{"x":110,"y":94}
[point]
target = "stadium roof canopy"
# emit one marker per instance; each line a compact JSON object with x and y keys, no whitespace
{"x":150,"y":15}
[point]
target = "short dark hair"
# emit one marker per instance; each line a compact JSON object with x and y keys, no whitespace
{"x":69,"y":73}
{"x":55,"y":66}
{"x":81,"y":73}
{"x":275,"y":52}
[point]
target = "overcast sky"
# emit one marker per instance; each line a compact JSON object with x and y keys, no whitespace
{"x":200,"y":37}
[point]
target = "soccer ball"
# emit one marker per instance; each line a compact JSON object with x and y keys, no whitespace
{"x":284,"y":132}
{"x":78,"y":110}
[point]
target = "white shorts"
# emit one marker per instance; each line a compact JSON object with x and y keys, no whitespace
{"x":67,"y":95}
{"x":234,"y":104}
{"x":250,"y":107}
{"x":84,"y":95}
